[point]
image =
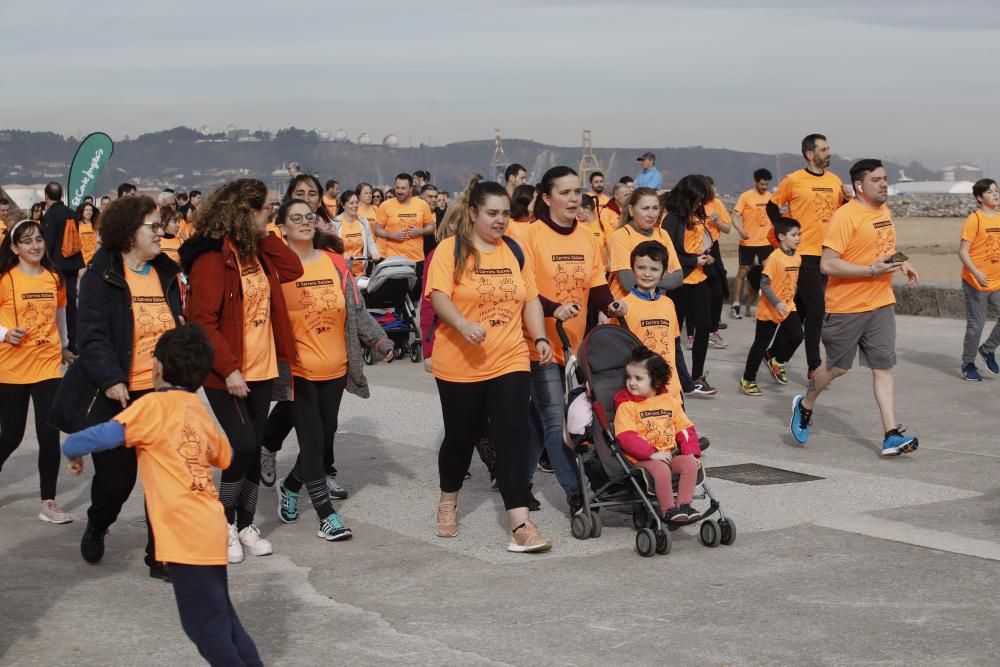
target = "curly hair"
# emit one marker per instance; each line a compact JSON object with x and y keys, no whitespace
{"x":122,"y":219}
{"x":657,"y":367}
{"x":228,"y":214}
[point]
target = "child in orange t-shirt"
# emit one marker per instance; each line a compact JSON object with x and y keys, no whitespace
{"x":655,"y":433}
{"x":177,"y":444}
{"x":776,"y":309}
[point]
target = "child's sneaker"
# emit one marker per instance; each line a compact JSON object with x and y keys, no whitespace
{"x":526,"y":539}
{"x":717,"y":341}
{"x":689,"y":343}
{"x":734,"y":313}
{"x":288,"y":504}
{"x":801,"y":419}
{"x":776,"y":368}
{"x":447,"y":520}
{"x":332,"y":529}
{"x":235,"y":549}
{"x":268,"y":467}
{"x":675,"y":514}
{"x":52,"y":513}
{"x":336,"y":490}
{"x":750,"y":388}
{"x":703,"y":388}
{"x":896,"y":443}
{"x":691,"y":512}
{"x":971,"y":373}
{"x":253,"y":543}
{"x":991,"y":360}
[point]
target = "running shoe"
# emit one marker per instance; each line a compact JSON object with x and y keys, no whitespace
{"x":675,"y":514}
{"x":336,"y":490}
{"x":689,"y":343}
{"x":526,"y":539}
{"x":717,"y":341}
{"x":332,"y":529}
{"x":776,"y":368}
{"x":703,"y":388}
{"x":447,"y":520}
{"x":991,"y":360}
{"x":692,"y":513}
{"x":253,"y":543}
{"x":288,"y":504}
{"x":801,"y":419}
{"x":971,"y":373}
{"x":52,"y":513}
{"x":268,"y":467}
{"x":92,"y":544}
{"x":750,"y":388}
{"x":734,"y":313}
{"x":896,"y":443}
{"x":234,"y":551}
{"x":544,"y":465}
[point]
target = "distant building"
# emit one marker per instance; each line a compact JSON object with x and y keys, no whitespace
{"x":961,"y":172}
{"x":931,"y":188}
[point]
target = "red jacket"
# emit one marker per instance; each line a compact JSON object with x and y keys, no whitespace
{"x":215,"y":298}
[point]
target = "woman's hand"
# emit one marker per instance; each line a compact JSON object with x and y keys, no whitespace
{"x":236,"y":385}
{"x":704,"y":259}
{"x":544,"y":350}
{"x":618,"y":309}
{"x":118,"y":392}
{"x":67,"y":356}
{"x":472,"y":332}
{"x":15,"y":336}
{"x":428,"y":365}
{"x":567,"y":311}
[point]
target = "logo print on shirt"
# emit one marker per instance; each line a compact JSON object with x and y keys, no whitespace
{"x":190,"y":451}
{"x":823,"y":204}
{"x":885,"y":238}
{"x":39,"y":317}
{"x":256,"y":296}
{"x":992,"y":247}
{"x":497,"y":299}
{"x":320,"y":301}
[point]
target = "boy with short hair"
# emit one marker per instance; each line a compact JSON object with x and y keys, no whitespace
{"x":776,"y":310}
{"x":177,"y":443}
{"x":980,"y":255}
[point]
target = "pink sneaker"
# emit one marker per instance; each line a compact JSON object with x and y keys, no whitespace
{"x":52,"y":513}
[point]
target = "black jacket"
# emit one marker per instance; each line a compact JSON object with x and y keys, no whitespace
{"x":104,"y":339}
{"x":53,"y":227}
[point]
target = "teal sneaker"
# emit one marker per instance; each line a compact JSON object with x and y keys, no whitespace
{"x":332,"y":529}
{"x":288,"y":504}
{"x":896,"y":443}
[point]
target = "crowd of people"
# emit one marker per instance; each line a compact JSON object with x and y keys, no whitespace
{"x":112,"y":316}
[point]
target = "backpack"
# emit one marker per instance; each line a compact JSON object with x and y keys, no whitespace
{"x":71,"y":243}
{"x":514,"y":246}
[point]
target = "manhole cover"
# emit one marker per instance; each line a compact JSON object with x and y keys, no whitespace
{"x":755,"y":474}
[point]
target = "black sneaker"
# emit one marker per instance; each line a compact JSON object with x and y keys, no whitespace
{"x":159,"y":571}
{"x":544,"y":465}
{"x":675,"y":514}
{"x":92,"y":544}
{"x":703,"y":388}
{"x":723,"y":325}
{"x":575,"y":502}
{"x":692,"y":513}
{"x":533,"y":504}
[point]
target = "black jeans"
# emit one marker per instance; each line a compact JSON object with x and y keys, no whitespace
{"x":315,"y":411}
{"x":71,"y":280}
{"x":13,"y":418}
{"x":694,"y":304}
{"x":789,"y":333}
{"x":208,"y":617}
{"x":504,"y":401}
{"x":810,"y":302}
{"x":242,"y":420}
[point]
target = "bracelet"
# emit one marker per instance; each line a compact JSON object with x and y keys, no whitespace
{"x":542,"y":340}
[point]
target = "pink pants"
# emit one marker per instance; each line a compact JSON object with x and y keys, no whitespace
{"x":684,"y":465}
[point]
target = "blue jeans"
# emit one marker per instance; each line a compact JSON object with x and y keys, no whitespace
{"x":547,"y":401}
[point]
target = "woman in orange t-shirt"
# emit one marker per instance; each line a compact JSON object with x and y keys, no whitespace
{"x":356,"y":232}
{"x":86,"y":221}
{"x":482,"y":289}
{"x":171,"y":241}
{"x":32,"y":350}
{"x":367,"y":206}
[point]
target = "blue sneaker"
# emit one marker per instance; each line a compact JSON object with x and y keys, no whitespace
{"x":896,"y":443}
{"x":970,"y":372}
{"x":332,"y":529}
{"x":288,"y":504}
{"x":991,"y":361}
{"x":801,"y":419}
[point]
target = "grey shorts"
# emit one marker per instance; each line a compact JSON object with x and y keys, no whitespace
{"x":874,"y":333}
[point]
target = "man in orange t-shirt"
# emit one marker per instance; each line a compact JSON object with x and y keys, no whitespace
{"x":753,"y":225}
{"x":980,"y":255}
{"x":403,"y":221}
{"x":811,"y":195}
{"x":859,"y":256}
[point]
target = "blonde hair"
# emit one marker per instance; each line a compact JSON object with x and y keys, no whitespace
{"x":633,"y":200}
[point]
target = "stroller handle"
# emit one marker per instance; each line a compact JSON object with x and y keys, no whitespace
{"x":563,"y":338}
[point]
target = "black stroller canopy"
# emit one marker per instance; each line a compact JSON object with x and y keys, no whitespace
{"x":603,"y":355}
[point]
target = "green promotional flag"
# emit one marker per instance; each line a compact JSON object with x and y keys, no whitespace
{"x":90,"y":159}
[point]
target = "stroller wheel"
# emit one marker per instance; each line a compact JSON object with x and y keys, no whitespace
{"x":415,"y":352}
{"x":581,"y":526}
{"x":595,"y":522}
{"x":368,"y":355}
{"x":728,"y":529}
{"x":710,"y":534}
{"x":664,"y":542}
{"x":645,"y":542}
{"x":641,"y":518}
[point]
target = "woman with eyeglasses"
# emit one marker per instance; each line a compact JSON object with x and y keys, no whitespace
{"x":129,"y":296}
{"x":235,"y":270}
{"x":377,"y":197}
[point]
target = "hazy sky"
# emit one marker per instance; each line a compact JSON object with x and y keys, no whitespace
{"x":905,"y":80}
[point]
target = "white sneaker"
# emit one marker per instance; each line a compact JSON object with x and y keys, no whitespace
{"x":717,"y":341}
{"x":336,"y":490}
{"x":268,"y":468}
{"x":235,"y":551}
{"x":253,"y":543}
{"x":52,"y":513}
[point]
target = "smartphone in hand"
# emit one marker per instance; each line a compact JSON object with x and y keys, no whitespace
{"x":898,"y":258}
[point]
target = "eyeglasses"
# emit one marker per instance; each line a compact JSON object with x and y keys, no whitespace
{"x":155,"y":226}
{"x":298,"y":218}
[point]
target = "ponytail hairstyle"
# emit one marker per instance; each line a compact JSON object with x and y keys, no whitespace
{"x":458,"y":207}
{"x":464,"y":241}
{"x":687,"y":199}
{"x":14,"y":233}
{"x":633,"y":200}
{"x":546,"y":186}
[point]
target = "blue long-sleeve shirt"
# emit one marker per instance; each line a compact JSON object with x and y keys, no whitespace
{"x":649,"y":178}
{"x":99,"y":438}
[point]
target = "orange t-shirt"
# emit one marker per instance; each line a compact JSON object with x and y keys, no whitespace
{"x":566,"y":267}
{"x":620,"y":246}
{"x":260,"y":359}
{"x":783,"y":271}
{"x":151,"y":317}
{"x":353,"y":236}
{"x":186,"y":230}
{"x":694,"y":242}
{"x":331,"y":206}
{"x":656,"y":420}
{"x":861,"y":235}
{"x":752,"y":206}
{"x":88,"y":241}
{"x":171,"y":247}
{"x":719,"y":208}
{"x":812,"y":200}
{"x":655,"y":324}
{"x":177,"y":444}
{"x":610,"y":220}
{"x":369,"y":213}
{"x":31,"y":302}
{"x":494,"y":296}
{"x":518,"y":230}
{"x":318,"y":313}
{"x":983,"y":233}
{"x":414,"y":215}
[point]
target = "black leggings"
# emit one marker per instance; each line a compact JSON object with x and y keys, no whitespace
{"x":718,"y":288}
{"x":694,"y":304}
{"x":789,"y":332}
{"x":810,"y":302}
{"x":242,"y":420}
{"x":13,"y":418}
{"x":504,"y":401}
{"x":280,"y":423}
{"x":315,"y":411}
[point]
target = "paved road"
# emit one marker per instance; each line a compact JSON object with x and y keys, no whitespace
{"x":880,"y":561}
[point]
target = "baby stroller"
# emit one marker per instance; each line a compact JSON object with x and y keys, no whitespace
{"x":387,"y":295}
{"x":614,"y":482}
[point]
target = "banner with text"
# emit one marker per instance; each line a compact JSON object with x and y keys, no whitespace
{"x":90,"y":159}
